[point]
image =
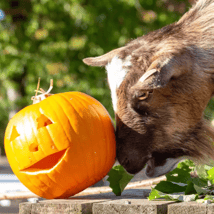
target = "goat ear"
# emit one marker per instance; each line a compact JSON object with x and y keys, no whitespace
{"x":160,"y":72}
{"x":104,"y":59}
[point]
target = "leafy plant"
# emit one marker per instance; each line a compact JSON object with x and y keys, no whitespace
{"x":118,"y":178}
{"x":188,"y":182}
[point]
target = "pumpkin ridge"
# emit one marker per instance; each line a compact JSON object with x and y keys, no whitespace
{"x":38,"y":177}
{"x":102,"y":121}
{"x":55,"y":168}
{"x":67,"y":100}
{"x":36,"y":137}
{"x":85,"y":101}
{"x":49,"y":103}
{"x":105,"y":134}
{"x":29,"y":181}
{"x":36,"y":160}
{"x":48,"y":131}
{"x":47,"y":163}
{"x":12,"y":147}
{"x":77,"y":99}
{"x":60,"y":95}
{"x":26,"y":138}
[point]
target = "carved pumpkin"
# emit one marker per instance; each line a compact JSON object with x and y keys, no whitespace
{"x":61,"y":145}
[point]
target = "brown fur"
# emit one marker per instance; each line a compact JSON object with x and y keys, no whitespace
{"x":169,"y":123}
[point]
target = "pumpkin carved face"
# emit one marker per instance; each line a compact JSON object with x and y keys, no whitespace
{"x":61,"y":145}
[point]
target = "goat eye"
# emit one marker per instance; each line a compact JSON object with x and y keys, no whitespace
{"x":144,"y":95}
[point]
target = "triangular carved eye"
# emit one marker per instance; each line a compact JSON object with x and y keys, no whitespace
{"x":43,"y":121}
{"x":14,"y":134}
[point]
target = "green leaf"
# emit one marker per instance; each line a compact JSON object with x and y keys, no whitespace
{"x":202,"y":171}
{"x":118,"y":179}
{"x":209,"y":197}
{"x":199,"y":182}
{"x":211,"y":173}
{"x":155,"y":194}
{"x":169,"y":187}
{"x":200,"y":190}
{"x":179,"y":176}
{"x":190,"y":188}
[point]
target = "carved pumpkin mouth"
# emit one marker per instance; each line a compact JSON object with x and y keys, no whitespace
{"x":46,"y":163}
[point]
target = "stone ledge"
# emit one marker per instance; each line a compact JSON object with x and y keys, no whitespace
{"x":108,"y":206}
{"x":58,"y":206}
{"x":131,"y":201}
{"x":190,"y":208}
{"x":129,"y":206}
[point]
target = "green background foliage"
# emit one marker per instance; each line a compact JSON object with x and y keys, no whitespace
{"x":49,"y":39}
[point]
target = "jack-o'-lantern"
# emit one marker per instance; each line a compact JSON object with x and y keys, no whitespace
{"x":61,"y":145}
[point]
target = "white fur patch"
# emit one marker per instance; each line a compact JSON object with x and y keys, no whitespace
{"x":171,"y":163}
{"x":116,"y":71}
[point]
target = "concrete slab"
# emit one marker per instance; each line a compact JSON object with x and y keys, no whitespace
{"x":59,"y":206}
{"x":210,"y":209}
{"x":129,"y":206}
{"x":190,"y":208}
{"x":187,"y":207}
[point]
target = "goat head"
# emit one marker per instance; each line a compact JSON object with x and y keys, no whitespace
{"x":160,"y":85}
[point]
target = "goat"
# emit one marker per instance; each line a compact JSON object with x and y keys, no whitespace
{"x":160,"y":85}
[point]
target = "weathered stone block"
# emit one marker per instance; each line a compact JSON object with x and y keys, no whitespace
{"x":187,"y":207}
{"x":130,"y":206}
{"x":59,"y":206}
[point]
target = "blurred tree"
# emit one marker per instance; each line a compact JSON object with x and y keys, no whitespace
{"x":49,"y":39}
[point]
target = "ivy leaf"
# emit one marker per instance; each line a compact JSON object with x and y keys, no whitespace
{"x":118,"y":179}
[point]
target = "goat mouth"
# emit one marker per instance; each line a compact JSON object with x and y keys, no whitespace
{"x":150,"y":167}
{"x":169,"y":164}
{"x":47,"y":163}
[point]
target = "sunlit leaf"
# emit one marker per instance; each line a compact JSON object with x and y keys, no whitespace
{"x":118,"y":179}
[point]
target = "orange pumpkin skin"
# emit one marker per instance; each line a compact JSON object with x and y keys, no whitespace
{"x":62,"y":145}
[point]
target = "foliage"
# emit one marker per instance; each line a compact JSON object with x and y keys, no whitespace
{"x":118,"y":179}
{"x":49,"y":39}
{"x":187,"y":182}
{"x":182,"y":186}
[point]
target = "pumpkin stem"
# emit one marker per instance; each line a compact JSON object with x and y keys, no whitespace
{"x":44,"y":94}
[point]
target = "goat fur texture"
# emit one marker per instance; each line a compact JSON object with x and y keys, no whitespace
{"x":161,"y":84}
